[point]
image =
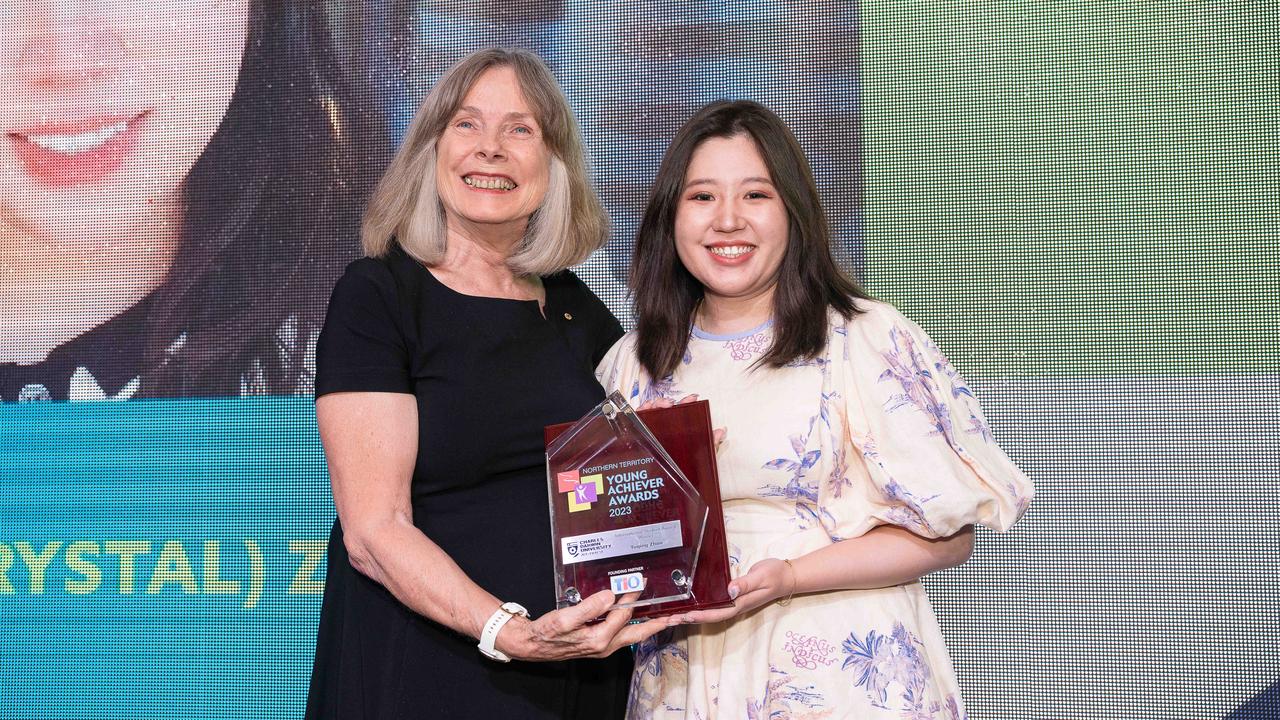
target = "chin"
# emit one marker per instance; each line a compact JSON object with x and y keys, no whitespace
{"x":494,"y":218}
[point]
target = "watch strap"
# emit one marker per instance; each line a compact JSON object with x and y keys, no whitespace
{"x":489,"y":633}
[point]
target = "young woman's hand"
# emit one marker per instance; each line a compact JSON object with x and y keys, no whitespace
{"x":883,"y":557}
{"x":661,"y":402}
{"x":768,"y":580}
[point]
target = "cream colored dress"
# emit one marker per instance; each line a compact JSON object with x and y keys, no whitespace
{"x":879,"y":429}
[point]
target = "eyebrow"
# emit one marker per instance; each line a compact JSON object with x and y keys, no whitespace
{"x":509,"y":116}
{"x":709,"y":181}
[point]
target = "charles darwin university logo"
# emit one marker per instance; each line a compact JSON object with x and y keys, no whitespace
{"x":582,"y":490}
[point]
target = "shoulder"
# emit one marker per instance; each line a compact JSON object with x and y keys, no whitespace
{"x":378,"y":270}
{"x":367,"y":281}
{"x":623,"y":350}
{"x":391,"y":276}
{"x":572,"y":286}
{"x":620,"y":367}
{"x":369,"y":270}
{"x":877,"y":326}
{"x":873,"y":317}
{"x":571,"y":289}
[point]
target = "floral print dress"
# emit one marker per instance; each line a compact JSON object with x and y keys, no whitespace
{"x":879,"y":429}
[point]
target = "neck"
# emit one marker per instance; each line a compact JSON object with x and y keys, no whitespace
{"x":495,"y":242}
{"x":721,"y":315}
{"x":53,"y":296}
{"x":476,"y":264}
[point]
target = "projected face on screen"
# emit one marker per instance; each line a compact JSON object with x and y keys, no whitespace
{"x":176,"y":196}
{"x":108,"y":106}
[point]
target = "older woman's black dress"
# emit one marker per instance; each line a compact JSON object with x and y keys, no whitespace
{"x":488,"y":374}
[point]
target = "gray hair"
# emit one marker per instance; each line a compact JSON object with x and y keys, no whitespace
{"x":405,"y":207}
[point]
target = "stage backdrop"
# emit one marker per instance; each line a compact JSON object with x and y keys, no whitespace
{"x":1078,"y":202}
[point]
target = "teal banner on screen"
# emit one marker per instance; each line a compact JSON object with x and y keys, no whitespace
{"x":160,"y":558}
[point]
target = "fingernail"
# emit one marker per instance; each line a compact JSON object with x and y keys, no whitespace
{"x":733,"y":592}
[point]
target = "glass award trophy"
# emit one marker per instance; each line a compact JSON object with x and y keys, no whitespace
{"x":635,"y":507}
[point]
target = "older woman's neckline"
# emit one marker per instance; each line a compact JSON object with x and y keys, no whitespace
{"x":474,"y":296}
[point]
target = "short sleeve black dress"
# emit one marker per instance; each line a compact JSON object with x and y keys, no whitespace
{"x":488,"y":374}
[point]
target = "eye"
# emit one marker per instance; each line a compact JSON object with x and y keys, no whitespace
{"x":522,"y":129}
{"x":701,"y":196}
{"x":757,"y":195}
{"x":464,"y":125}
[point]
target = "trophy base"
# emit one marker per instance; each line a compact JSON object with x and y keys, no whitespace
{"x":566,"y":602}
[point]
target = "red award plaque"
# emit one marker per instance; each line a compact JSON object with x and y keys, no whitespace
{"x":635,"y":507}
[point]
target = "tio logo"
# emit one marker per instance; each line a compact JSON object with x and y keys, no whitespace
{"x":631,"y":582}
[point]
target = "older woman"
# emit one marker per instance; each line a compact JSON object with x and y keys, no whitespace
{"x":444,"y":354}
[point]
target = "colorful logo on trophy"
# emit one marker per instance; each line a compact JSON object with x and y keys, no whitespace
{"x":582,"y":491}
{"x":631,"y":582}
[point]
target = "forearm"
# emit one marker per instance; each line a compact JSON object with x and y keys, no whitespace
{"x":884,"y":557}
{"x":397,"y":555}
{"x":370,"y":442}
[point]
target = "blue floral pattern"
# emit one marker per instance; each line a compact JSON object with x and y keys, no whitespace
{"x":912,"y":372}
{"x":798,"y":486}
{"x":780,"y":692}
{"x":658,"y":659}
{"x":863,"y":434}
{"x":920,"y":387}
{"x":881,"y":663}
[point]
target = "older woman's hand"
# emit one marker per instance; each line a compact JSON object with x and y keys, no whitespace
{"x":564,"y":634}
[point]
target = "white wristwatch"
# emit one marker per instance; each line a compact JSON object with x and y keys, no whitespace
{"x":499,"y":618}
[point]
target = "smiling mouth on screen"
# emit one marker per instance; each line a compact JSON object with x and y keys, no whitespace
{"x":62,"y":155}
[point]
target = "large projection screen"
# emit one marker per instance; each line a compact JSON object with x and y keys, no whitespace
{"x":1076,"y":200}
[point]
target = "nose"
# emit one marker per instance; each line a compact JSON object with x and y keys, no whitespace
{"x":491,"y":145}
{"x":727,"y":217}
{"x":66,"y":51}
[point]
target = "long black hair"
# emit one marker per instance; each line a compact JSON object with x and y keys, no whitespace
{"x":271,"y":217}
{"x":809,"y":282}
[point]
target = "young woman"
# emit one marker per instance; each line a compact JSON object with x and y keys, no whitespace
{"x":177,"y":194}
{"x":855,"y":461}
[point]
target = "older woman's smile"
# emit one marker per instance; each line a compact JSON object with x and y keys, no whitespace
{"x":501,"y":183}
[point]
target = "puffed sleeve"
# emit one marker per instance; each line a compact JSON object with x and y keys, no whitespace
{"x":362,"y":347}
{"x":917,"y":451}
